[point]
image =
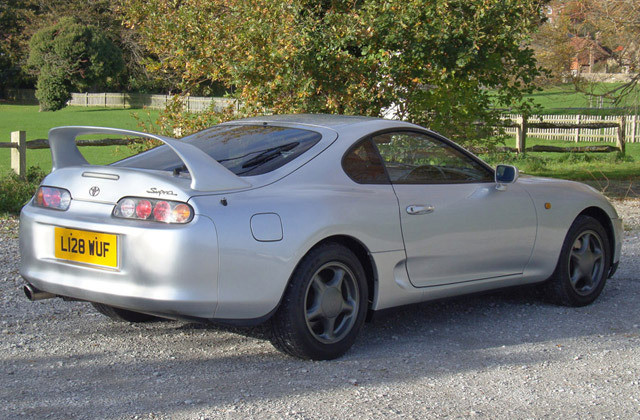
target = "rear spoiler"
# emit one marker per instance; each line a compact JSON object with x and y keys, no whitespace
{"x":206,"y":173}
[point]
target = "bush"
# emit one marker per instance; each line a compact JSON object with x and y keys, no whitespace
{"x":52,"y":92}
{"x":16,"y":192}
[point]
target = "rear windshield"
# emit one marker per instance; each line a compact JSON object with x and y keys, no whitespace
{"x":243,"y":149}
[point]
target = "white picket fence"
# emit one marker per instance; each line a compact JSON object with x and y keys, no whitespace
{"x":632,"y":132}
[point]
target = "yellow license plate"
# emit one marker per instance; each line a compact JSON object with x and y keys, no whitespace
{"x":86,"y":247}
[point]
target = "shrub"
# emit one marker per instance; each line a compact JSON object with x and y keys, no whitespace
{"x":16,"y":192}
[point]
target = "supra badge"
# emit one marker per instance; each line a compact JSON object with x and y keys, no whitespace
{"x":94,"y":191}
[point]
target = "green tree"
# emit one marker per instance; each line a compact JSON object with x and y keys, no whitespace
{"x":16,"y":16}
{"x":21,"y":19}
{"x":441,"y":63}
{"x":70,"y":55}
{"x":103,"y":15}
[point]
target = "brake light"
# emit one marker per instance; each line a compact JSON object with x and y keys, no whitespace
{"x":143,"y":209}
{"x":155,"y":210}
{"x":162,"y":211}
{"x":52,"y":198}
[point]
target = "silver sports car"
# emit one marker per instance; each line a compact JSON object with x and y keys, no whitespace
{"x":307,"y":223}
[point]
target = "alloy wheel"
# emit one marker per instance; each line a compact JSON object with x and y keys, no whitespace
{"x":331,"y":302}
{"x":586,"y":263}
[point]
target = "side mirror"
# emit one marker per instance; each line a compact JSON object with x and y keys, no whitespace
{"x":506,"y":174}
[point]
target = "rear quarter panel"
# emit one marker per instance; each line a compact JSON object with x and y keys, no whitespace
{"x":315,"y":202}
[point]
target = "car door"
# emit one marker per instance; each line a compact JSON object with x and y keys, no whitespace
{"x":456,"y":225}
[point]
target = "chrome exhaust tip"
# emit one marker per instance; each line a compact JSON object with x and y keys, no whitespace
{"x":34,"y":294}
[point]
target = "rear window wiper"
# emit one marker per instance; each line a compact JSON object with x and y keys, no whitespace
{"x":263,"y":156}
{"x":269,"y":154}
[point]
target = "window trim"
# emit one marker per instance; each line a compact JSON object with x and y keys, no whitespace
{"x":437,"y":137}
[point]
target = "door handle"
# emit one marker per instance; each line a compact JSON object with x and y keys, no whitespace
{"x":419,"y":209}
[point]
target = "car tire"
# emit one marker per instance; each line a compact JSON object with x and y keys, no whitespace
{"x":123,"y":315}
{"x":324,"y":305}
{"x":583,"y":266}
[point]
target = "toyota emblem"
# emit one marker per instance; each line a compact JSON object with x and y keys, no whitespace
{"x":93,"y":191}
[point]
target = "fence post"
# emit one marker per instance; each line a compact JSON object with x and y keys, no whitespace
{"x":521,"y":134}
{"x":577,"y":138}
{"x":86,"y":99}
{"x":105,"y":99}
{"x":19,"y":153}
{"x":633,"y":128}
{"x":622,"y":126}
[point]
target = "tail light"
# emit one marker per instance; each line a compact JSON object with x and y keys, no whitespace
{"x":52,"y":198}
{"x":164,"y":211}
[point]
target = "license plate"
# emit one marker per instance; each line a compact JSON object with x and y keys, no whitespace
{"x":86,"y":247}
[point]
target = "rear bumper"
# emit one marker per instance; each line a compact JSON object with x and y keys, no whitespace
{"x":164,"y":269}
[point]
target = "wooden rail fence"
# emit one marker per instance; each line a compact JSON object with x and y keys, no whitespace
{"x":569,"y":127}
{"x":524,"y":125}
{"x":19,"y":146}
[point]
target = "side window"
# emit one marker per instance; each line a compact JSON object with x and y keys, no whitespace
{"x":362,"y":163}
{"x":414,"y":158}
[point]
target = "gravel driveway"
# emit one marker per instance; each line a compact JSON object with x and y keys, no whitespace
{"x":504,"y":355}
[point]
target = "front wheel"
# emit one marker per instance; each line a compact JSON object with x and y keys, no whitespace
{"x":324,"y":306}
{"x":583,"y":266}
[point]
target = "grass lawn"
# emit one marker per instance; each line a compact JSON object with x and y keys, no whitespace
{"x":37,"y":125}
{"x":577,"y":166}
{"x":564,"y":99}
{"x":560,"y":99}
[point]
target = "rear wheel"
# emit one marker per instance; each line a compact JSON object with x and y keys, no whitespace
{"x":119,"y":314}
{"x":324,"y":305}
{"x":583,"y":266}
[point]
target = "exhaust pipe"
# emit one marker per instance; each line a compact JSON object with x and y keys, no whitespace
{"x":34,"y":294}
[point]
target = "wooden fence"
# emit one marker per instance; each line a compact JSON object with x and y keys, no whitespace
{"x":142,"y":100}
{"x":527,"y":127}
{"x":575,"y":128}
{"x":19,"y":146}
{"x":522,"y":127}
{"x":128,"y":100}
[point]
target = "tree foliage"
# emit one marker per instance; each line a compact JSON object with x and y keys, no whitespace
{"x":70,"y":55}
{"x":15,"y":19}
{"x":441,"y":63}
